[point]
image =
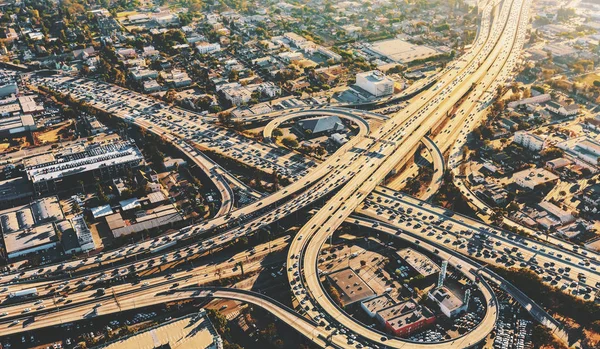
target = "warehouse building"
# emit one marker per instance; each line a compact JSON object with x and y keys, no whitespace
{"x":31,"y":228}
{"x":191,"y":331}
{"x":49,"y":172}
{"x":405,"y":318}
{"x":164,"y":215}
{"x":351,"y":287}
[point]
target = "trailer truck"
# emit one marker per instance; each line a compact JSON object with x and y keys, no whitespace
{"x":29,"y":292}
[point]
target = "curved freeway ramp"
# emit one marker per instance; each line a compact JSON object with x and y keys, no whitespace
{"x":474,"y":268}
{"x":306,"y":327}
{"x":212,"y":170}
{"x":439,"y":167}
{"x":363,"y":125}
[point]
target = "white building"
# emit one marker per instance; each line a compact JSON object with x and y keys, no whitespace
{"x":237,"y":94}
{"x":295,"y":39}
{"x":450,"y":304}
{"x":329,"y":54}
{"x":205,"y":47}
{"x":30,"y":228}
{"x":564,"y":110}
{"x":530,"y":141}
{"x":8,"y":86}
{"x":269,"y":89}
{"x":339,"y":139}
{"x":178,"y":78}
{"x":532,"y":100}
{"x":534,"y":177}
{"x":375,"y":82}
{"x":151,"y":86}
{"x":143,"y":74}
{"x":562,"y":215}
{"x":584,"y":150}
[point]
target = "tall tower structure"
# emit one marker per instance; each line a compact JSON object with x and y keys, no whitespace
{"x":467,"y":298}
{"x":442,"y":275}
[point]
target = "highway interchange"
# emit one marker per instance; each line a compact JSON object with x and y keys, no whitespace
{"x":343,"y":186}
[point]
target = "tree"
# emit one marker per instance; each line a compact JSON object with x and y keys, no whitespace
{"x":170,"y":96}
{"x":225,"y":119}
{"x":277,"y":133}
{"x":290,"y":142}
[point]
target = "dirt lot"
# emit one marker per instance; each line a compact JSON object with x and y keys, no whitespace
{"x":54,"y":134}
{"x":589,"y":79}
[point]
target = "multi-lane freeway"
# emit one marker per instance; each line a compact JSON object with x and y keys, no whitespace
{"x":347,"y":182}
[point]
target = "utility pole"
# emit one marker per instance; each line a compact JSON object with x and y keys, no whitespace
{"x":116,"y":299}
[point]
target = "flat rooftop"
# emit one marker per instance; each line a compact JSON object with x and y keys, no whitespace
{"x":15,"y":188}
{"x":94,"y":157}
{"x":26,"y":216}
{"x":410,"y":313}
{"x":378,"y":303}
{"x":418,"y":261}
{"x":30,"y":238}
{"x":193,"y":331}
{"x":535,"y":176}
{"x":16,"y":124}
{"x":402,"y":51}
{"x":351,"y":287}
{"x":447,"y":298}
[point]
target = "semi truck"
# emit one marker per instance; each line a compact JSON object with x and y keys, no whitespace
{"x":29,"y":292}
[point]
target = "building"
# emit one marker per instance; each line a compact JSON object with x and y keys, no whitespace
{"x":164,"y":215}
{"x":171,"y":163}
{"x":101,"y":211}
{"x":268,"y":89}
{"x":143,"y":74}
{"x":534,"y":177}
{"x":31,"y":228}
{"x":206,"y":48}
{"x":530,"y":141}
{"x":420,"y":263}
{"x":295,"y":39}
{"x":94,"y":126}
{"x":8,"y":85}
{"x":405,"y":318}
{"x":15,"y":191}
{"x":320,"y":125}
{"x":351,"y":30}
{"x":562,"y":110}
{"x":16,"y":124}
{"x":339,"y":139}
{"x":375,"y":82}
{"x":401,"y":51}
{"x":584,"y":150}
{"x":558,"y":163}
{"x":84,"y":235}
{"x":49,"y":172}
{"x":191,"y":331}
{"x":177,"y":78}
{"x":29,"y":105}
{"x":591,"y":195}
{"x":556,"y":212}
{"x":543,"y":98}
{"x":373,"y":305}
{"x":450,"y":304}
{"x":151,"y":86}
{"x":236,"y":94}
{"x":351,"y":287}
{"x":329,"y":54}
